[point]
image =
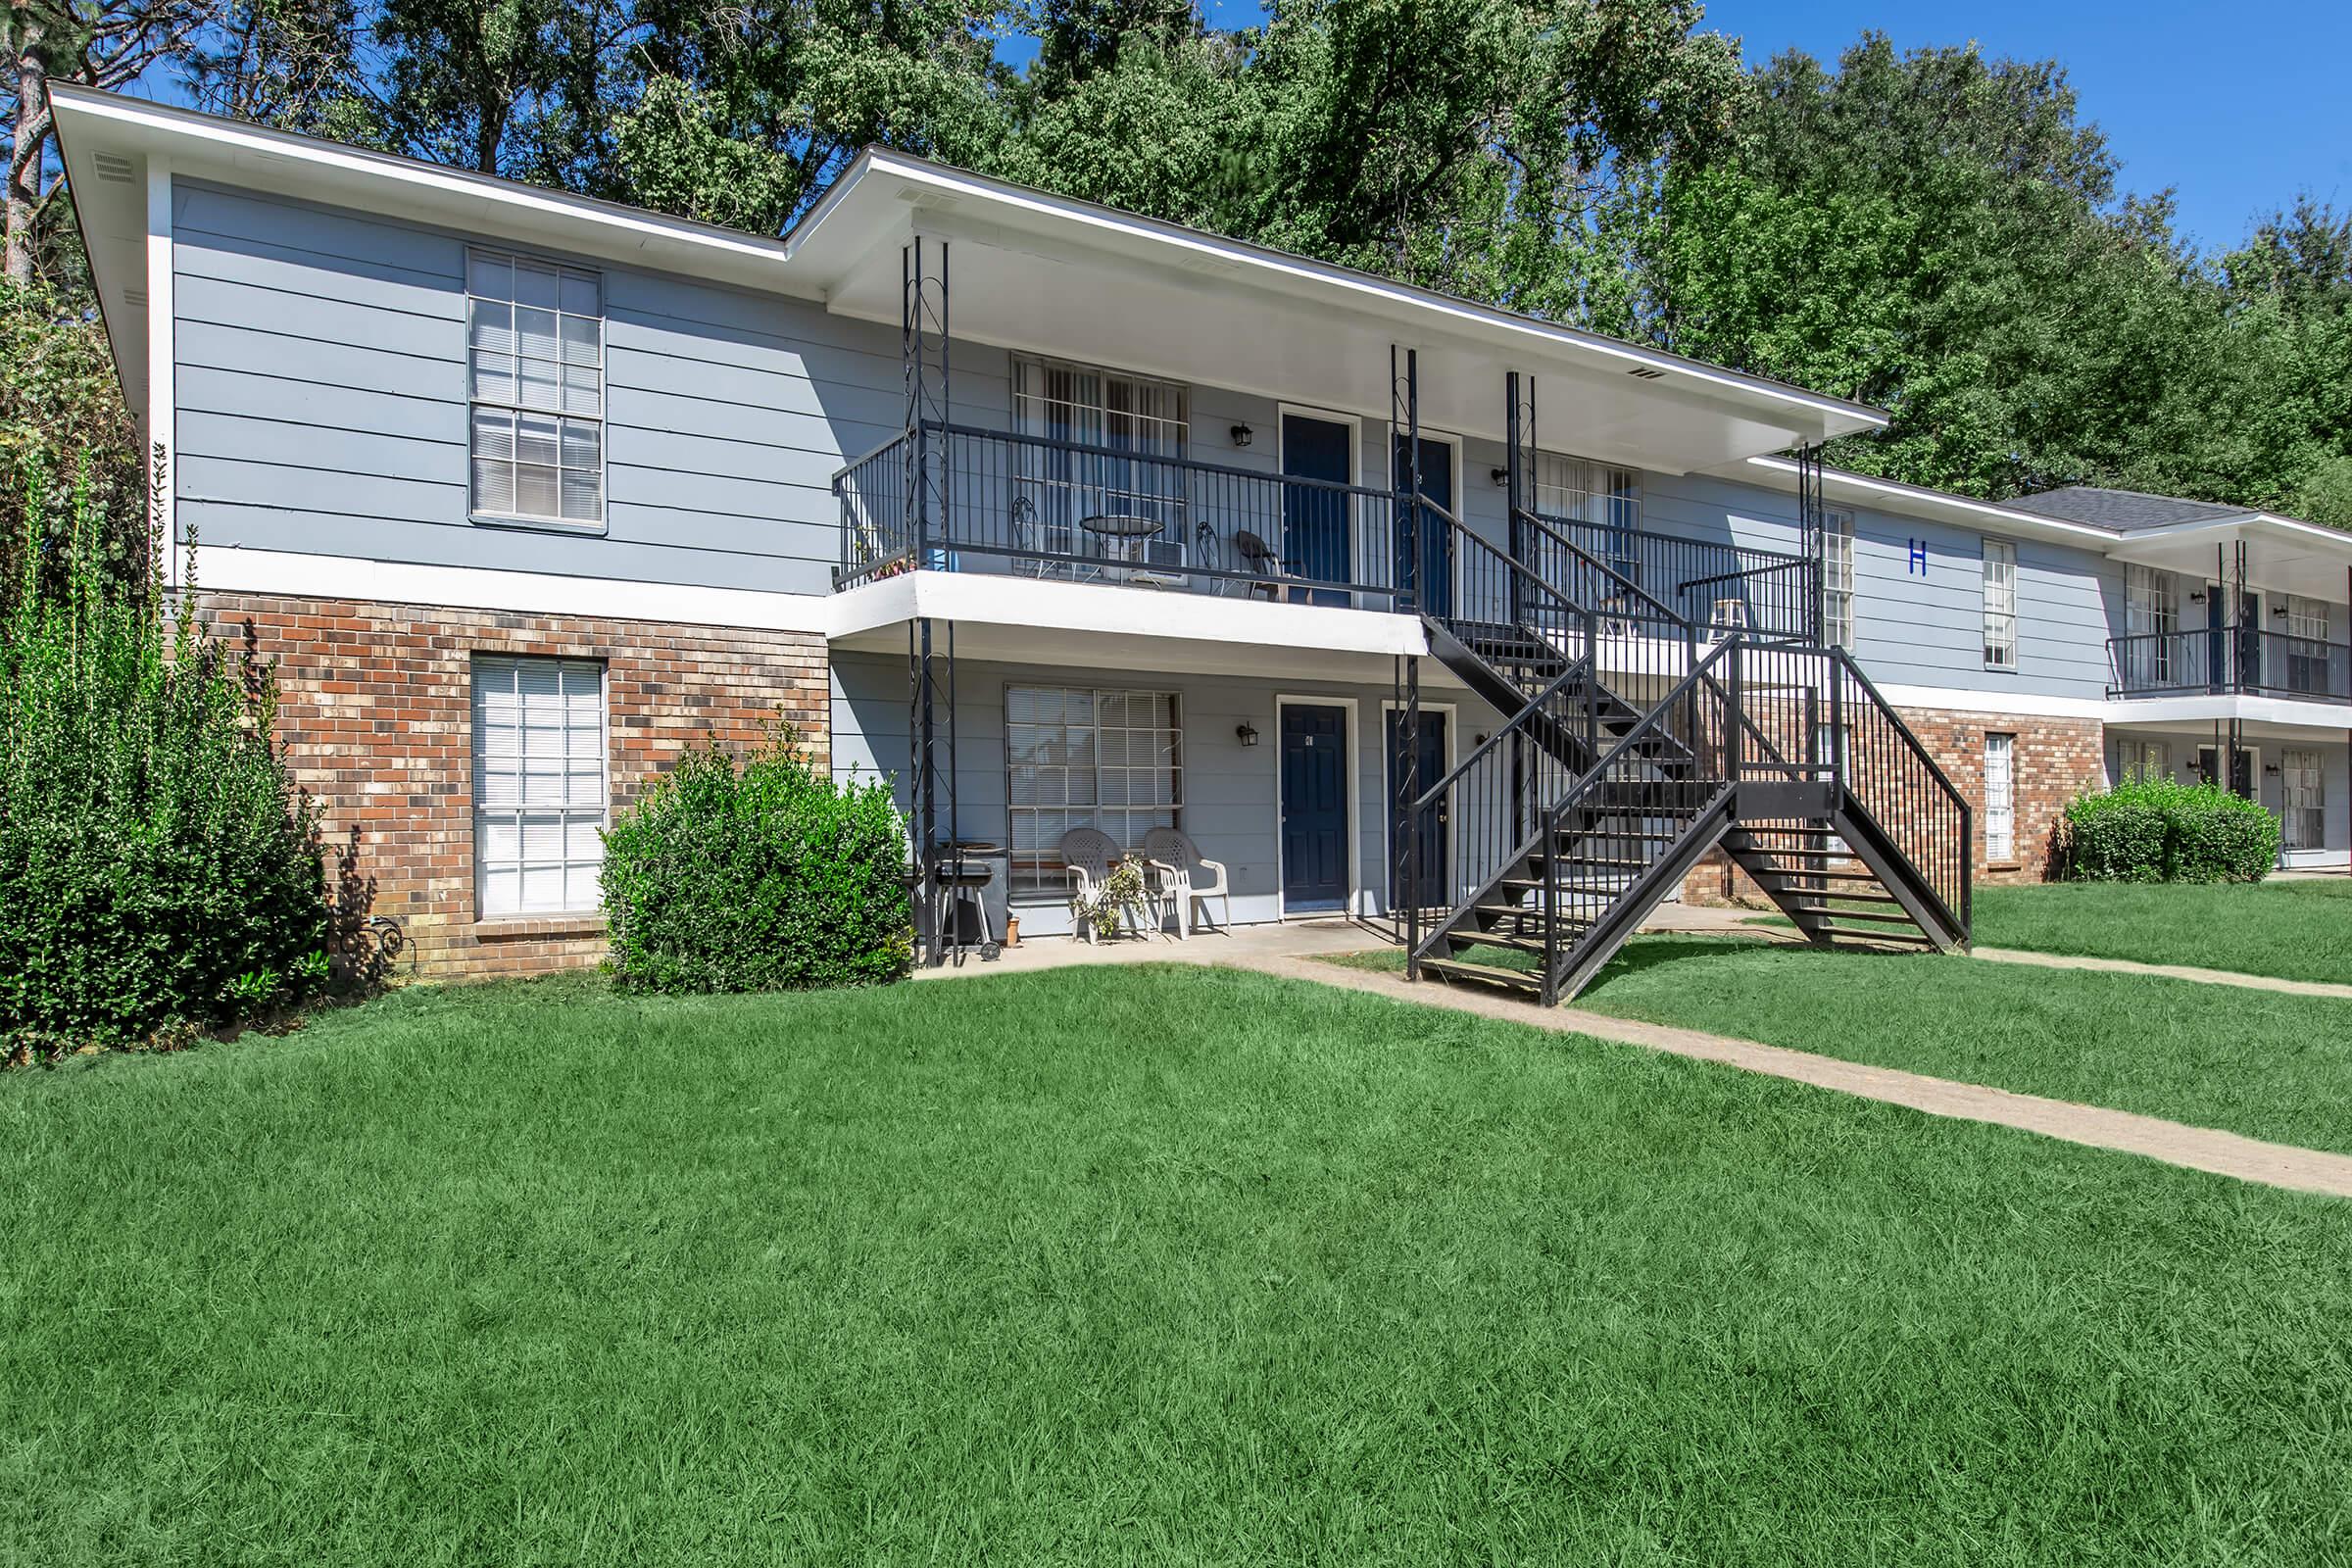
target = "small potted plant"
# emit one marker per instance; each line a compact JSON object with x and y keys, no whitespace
{"x":1116,"y":897}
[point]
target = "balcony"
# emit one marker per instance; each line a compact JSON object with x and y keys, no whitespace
{"x":1719,"y":586}
{"x":1058,"y":510}
{"x":2228,"y":661}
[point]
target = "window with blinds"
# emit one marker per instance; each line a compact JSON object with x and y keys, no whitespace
{"x":1123,"y":422}
{"x":1838,"y":578}
{"x":2151,"y":625}
{"x":539,"y":785}
{"x":2000,"y":605}
{"x":2143,"y":759}
{"x":535,"y":356}
{"x":1077,"y":757}
{"x":2302,"y":818}
{"x":2000,"y":797}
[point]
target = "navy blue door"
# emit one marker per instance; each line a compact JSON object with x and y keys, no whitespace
{"x":1435,"y":595}
{"x":1433,"y":870}
{"x":1314,"y":809}
{"x":1315,"y":541}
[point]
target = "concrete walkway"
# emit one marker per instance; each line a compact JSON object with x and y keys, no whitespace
{"x":1298,"y":952}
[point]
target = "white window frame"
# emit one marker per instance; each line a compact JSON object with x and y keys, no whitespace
{"x":491,"y":901}
{"x":2136,"y":758}
{"x":577,"y":412}
{"x":1036,"y":875}
{"x":2000,"y":798}
{"x":1062,"y":489}
{"x":2302,"y":799}
{"x":2000,"y":605}
{"x":1838,"y":597}
{"x":2151,"y":610}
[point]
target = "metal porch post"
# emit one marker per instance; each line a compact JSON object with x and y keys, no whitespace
{"x":928,"y":511}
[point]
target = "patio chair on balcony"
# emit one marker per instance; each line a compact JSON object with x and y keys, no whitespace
{"x":1260,"y":557}
{"x":1193,"y":879}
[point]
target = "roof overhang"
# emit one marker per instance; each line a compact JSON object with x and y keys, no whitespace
{"x":2289,"y":556}
{"x":1938,"y":505}
{"x":109,"y":144}
{"x":1031,"y":271}
{"x":1043,"y":273}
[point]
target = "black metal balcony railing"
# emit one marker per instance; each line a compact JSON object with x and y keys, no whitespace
{"x":1039,"y":506}
{"x":2228,"y":660}
{"x":1036,"y":507}
{"x":1710,"y":585}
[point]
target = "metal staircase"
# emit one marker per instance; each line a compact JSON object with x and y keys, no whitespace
{"x":1635,"y":741}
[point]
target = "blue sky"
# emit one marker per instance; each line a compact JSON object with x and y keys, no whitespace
{"x":2238,"y":107}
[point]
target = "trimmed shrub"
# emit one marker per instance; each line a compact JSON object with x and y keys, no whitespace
{"x":766,"y":876}
{"x":159,"y":871}
{"x":2160,"y":830}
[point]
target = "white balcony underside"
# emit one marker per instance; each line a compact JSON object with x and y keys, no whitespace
{"x":2201,"y":708}
{"x":1110,"y":627}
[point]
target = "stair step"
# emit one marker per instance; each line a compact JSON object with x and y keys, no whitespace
{"x":1495,"y":939}
{"x":1842,"y":898}
{"x":1787,"y":873}
{"x":1908,"y":939}
{"x":1870,"y":915}
{"x":1796,"y":855}
{"x":1484,"y":973}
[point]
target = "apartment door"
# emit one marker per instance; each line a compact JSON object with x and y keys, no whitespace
{"x":1435,"y":595}
{"x":2301,"y":815}
{"x":2241,"y":770}
{"x":2225,"y":671}
{"x":1315,"y":535}
{"x":1314,"y":809}
{"x":1434,"y":869}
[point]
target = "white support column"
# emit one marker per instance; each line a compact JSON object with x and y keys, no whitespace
{"x":159,"y":425}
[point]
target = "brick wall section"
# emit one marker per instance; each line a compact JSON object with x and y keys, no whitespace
{"x":377,"y":713}
{"x":2056,"y":759}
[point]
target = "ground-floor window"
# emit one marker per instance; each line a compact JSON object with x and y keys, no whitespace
{"x":538,"y":785}
{"x":1086,"y":757}
{"x":2300,"y":815}
{"x":2138,"y":759}
{"x":2000,"y":797}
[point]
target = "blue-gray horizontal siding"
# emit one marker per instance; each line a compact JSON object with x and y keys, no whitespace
{"x":1926,"y":627}
{"x":321,"y":394}
{"x":1231,"y":792}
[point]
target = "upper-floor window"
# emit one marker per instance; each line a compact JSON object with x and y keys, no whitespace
{"x":2151,"y":626}
{"x":1124,"y":422}
{"x":1838,"y":578}
{"x":1579,"y":490}
{"x":2000,"y":605}
{"x":535,"y":357}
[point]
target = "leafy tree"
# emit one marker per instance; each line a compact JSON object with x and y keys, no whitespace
{"x":69,"y":449}
{"x":96,"y":43}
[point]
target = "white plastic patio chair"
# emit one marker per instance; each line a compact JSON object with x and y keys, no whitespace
{"x":1193,"y":879}
{"x":1090,"y":854}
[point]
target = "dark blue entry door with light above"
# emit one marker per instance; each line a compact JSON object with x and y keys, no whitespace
{"x":1314,"y":809}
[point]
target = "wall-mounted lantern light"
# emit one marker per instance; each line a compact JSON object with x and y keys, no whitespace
{"x":1242,"y":435}
{"x":2196,"y":595}
{"x":1246,"y":733}
{"x":1503,"y":477}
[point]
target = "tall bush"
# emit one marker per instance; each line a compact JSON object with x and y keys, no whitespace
{"x":762,"y":877}
{"x":2160,"y":830}
{"x":159,"y":868}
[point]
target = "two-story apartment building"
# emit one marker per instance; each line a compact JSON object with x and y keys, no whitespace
{"x":1067,"y":518}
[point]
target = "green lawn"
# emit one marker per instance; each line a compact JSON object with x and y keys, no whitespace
{"x":2255,"y":1062}
{"x":2300,"y":930}
{"x":1118,"y":1264}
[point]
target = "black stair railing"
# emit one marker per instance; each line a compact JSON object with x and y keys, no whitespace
{"x":1619,"y":830}
{"x":1809,"y":715}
